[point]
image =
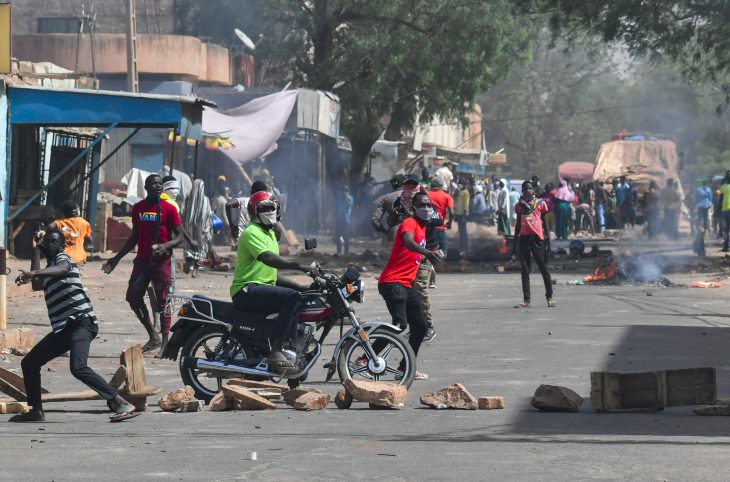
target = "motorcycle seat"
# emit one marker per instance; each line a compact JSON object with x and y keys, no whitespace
{"x":228,"y":312}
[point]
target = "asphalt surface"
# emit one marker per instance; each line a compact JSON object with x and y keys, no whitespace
{"x":482,"y":342}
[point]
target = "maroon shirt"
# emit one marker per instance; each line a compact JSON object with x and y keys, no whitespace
{"x":144,"y":217}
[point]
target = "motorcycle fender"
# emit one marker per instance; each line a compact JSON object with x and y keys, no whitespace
{"x":369,"y":328}
{"x":181,"y":330}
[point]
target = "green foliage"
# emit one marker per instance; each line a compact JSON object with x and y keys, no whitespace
{"x":390,"y":62}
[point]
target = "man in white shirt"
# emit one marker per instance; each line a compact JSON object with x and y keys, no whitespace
{"x":446,"y":176}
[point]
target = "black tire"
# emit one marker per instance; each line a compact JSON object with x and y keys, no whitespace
{"x":352,"y":350}
{"x":206,"y":339}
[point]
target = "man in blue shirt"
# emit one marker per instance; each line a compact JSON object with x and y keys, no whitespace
{"x":703,"y":203}
{"x":622,"y":201}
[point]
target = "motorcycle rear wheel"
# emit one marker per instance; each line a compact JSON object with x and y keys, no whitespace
{"x":396,"y":351}
{"x":202,"y":344}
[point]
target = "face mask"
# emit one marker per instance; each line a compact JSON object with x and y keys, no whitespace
{"x":267,"y":219}
{"x":173,"y":193}
{"x":424,"y":214}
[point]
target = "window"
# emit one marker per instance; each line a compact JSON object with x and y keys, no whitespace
{"x":58,"y":25}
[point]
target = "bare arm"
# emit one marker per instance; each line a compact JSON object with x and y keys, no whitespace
{"x":160,"y":249}
{"x":449,"y":217}
{"x":111,"y":263}
{"x":285,"y":282}
{"x":36,"y":275}
{"x":276,"y":261}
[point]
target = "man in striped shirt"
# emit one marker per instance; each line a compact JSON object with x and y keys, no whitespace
{"x":73,"y":325}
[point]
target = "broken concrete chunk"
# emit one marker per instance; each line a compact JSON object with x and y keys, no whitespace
{"x":309,"y":401}
{"x":454,"y":396}
{"x":256,"y":384}
{"x":295,"y":393}
{"x":343,"y":399}
{"x":18,"y":338}
{"x":219,"y":402}
{"x":554,"y":398}
{"x":172,"y":400}
{"x":382,"y":394}
{"x":246,"y":400}
{"x":490,"y":403}
{"x":192,"y":406}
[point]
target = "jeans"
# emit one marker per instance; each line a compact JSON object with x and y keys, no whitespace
{"x":405,"y":309}
{"x":76,"y":336}
{"x":443,"y":243}
{"x":529,"y":247}
{"x":601,"y":216}
{"x":703,"y":218}
{"x":255,"y":298}
{"x":726,"y":228}
{"x":342,"y":233}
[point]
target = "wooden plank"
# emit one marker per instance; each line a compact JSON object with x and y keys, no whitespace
{"x":605,"y":391}
{"x":16,"y":380}
{"x":255,"y":384}
{"x":133,"y":361}
{"x":9,"y":389}
{"x":640,"y":390}
{"x":70,"y":396}
{"x":14,"y":407}
{"x":146,"y":391}
{"x":118,"y":378}
{"x":691,"y":386}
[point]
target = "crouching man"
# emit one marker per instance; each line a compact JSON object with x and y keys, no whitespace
{"x":73,"y":326}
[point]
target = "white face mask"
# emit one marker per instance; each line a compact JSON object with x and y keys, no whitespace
{"x":267,"y":219}
{"x":172,"y":192}
{"x":424,"y":214}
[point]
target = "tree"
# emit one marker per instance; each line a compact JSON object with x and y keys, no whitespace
{"x":390,"y":62}
{"x":693,"y":33}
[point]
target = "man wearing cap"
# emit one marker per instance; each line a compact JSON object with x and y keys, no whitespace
{"x":384,"y":208}
{"x":503,"y":208}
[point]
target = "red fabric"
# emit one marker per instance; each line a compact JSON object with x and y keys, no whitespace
{"x":144,"y":217}
{"x":403,"y":263}
{"x":441,"y":200}
{"x":531,"y":224}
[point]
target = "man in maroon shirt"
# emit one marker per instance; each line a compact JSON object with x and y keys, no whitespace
{"x":395,"y":284}
{"x":530,"y":242}
{"x":156,"y":230}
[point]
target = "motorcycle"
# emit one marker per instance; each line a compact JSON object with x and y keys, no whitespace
{"x":216,"y":341}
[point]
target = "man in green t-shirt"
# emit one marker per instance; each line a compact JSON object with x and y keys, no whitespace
{"x":257,"y":287}
{"x":725,"y":212}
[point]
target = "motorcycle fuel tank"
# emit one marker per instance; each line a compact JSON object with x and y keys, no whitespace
{"x":314,"y":308}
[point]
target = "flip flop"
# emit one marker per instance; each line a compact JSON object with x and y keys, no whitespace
{"x":282,"y":367}
{"x":120,"y":417}
{"x":150,"y":345}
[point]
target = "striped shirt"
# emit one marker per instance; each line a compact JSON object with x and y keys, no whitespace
{"x":65,"y":296}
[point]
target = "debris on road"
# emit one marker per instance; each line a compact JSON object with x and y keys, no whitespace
{"x":382,"y":394}
{"x":19,"y":338}
{"x":453,"y":396}
{"x":304,"y":398}
{"x":246,"y":400}
{"x":192,"y":406}
{"x":705,"y":284}
{"x":14,"y":407}
{"x":554,"y":398}
{"x":256,"y":384}
{"x":490,"y":403}
{"x":343,"y":399}
{"x":219,"y":402}
{"x":172,"y":401}
{"x":719,"y":409}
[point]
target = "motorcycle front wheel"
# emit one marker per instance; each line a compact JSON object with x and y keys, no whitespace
{"x":204,"y":344}
{"x":400,"y":361}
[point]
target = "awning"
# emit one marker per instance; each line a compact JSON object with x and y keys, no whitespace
{"x":98,"y":108}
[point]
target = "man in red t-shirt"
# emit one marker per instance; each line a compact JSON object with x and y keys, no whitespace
{"x":443,"y":203}
{"x":530,"y":241}
{"x":156,"y":230}
{"x":395,"y":284}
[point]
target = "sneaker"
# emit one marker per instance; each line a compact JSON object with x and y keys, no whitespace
{"x":430,"y":335}
{"x":432,"y":286}
{"x":524,"y":304}
{"x":421,"y":376}
{"x":551,"y":303}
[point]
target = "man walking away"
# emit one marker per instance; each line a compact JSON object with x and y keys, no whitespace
{"x":531,"y":242}
{"x":703,"y":203}
{"x":622,"y":191}
{"x":343,"y":214}
{"x":461,"y":213}
{"x":396,"y":281}
{"x":75,"y":229}
{"x":156,"y":230}
{"x":601,"y":205}
{"x":73,"y":325}
{"x":503,"y":208}
{"x":671,"y":201}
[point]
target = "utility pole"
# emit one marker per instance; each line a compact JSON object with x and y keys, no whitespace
{"x":132,"y":77}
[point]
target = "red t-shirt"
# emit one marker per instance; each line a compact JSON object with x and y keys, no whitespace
{"x":144,"y":217}
{"x":531,"y":224}
{"x":441,"y":200}
{"x":403,"y":263}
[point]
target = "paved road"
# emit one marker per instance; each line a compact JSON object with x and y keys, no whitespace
{"x":482,"y":342}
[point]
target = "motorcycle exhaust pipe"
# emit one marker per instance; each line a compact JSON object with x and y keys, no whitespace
{"x":197,"y":363}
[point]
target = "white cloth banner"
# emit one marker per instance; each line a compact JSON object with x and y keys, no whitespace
{"x":253,"y":127}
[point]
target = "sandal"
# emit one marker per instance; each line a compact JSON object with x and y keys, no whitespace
{"x":551,"y":303}
{"x":282,"y":367}
{"x":151,"y":345}
{"x":120,"y":417}
{"x":524,"y":304}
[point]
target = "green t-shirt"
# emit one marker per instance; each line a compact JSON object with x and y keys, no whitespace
{"x":725,"y":190}
{"x":254,"y":241}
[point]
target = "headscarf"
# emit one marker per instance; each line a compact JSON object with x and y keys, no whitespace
{"x":172,"y":188}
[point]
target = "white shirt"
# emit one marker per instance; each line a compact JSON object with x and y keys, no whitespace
{"x":444,"y":173}
{"x":243,"y":218}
